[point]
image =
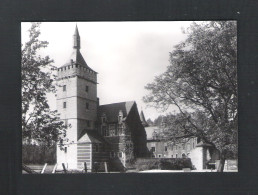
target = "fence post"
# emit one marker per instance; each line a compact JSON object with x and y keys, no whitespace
{"x":64,"y":167}
{"x":54,"y":169}
{"x":85,"y":167}
{"x":106,"y":168}
{"x":28,"y":170}
{"x":42,"y":171}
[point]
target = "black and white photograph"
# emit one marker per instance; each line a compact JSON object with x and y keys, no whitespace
{"x":129,"y":97}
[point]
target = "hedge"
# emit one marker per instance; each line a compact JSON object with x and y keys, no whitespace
{"x":38,"y":154}
{"x":142,"y":164}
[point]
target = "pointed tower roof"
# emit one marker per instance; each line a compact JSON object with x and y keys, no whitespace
{"x":144,"y":123}
{"x":77,"y":39}
{"x":76,"y":56}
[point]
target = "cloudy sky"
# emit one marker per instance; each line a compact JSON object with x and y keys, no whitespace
{"x":127,"y":55}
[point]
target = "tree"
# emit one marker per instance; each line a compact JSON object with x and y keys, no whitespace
{"x":39,"y":123}
{"x":201,"y":81}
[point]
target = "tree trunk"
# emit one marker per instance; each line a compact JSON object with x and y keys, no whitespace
{"x":221,"y":162}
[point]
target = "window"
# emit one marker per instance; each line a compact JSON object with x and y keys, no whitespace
{"x":112,"y":130}
{"x":153,"y":149}
{"x":65,"y":149}
{"x":97,"y":148}
{"x":160,"y":155}
{"x":166,"y":148}
{"x":105,"y":131}
{"x":87,"y":88}
{"x":120,"y":154}
{"x":64,"y":88}
{"x":120,"y":116}
{"x":120,"y":129}
{"x":64,"y":104}
{"x":112,"y":154}
{"x":176,"y":155}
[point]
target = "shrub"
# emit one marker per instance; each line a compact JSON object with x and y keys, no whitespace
{"x":142,"y":164}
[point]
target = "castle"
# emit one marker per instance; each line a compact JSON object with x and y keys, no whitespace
{"x":110,"y":133}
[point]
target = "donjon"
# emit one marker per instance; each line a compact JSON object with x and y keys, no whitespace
{"x":96,"y":133}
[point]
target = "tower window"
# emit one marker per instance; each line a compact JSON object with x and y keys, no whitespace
{"x":87,"y":88}
{"x":64,"y":105}
{"x":64,"y":88}
{"x":65,"y":149}
{"x":87,"y":105}
{"x":166,"y":148}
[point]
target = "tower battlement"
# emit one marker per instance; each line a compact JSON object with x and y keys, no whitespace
{"x":74,"y":70}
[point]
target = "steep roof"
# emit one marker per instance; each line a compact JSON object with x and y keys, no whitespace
{"x":112,"y":110}
{"x":144,"y":123}
{"x":76,"y":56}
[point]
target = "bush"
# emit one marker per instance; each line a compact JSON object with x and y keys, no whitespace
{"x":142,"y":164}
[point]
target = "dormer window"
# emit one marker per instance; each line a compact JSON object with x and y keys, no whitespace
{"x":120,"y":116}
{"x":103,"y":118}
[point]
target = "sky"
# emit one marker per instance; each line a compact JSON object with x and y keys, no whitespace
{"x":126,"y":55}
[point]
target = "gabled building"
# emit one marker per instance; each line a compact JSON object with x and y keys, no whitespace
{"x":199,"y":152}
{"x":98,"y":133}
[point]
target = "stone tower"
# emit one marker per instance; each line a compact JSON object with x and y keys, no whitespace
{"x":76,"y":100}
